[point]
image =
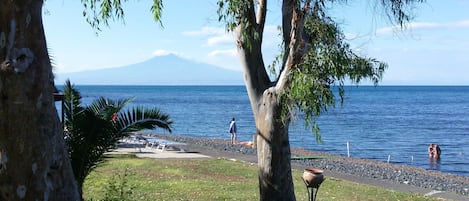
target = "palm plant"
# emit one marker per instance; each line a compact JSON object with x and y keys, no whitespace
{"x":92,"y":130}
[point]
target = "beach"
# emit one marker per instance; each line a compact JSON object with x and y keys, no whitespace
{"x":400,"y":178}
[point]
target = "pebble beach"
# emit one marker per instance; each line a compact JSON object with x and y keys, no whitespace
{"x":361,"y":168}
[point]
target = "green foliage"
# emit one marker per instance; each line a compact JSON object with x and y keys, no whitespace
{"x":157,"y":9}
{"x":98,"y":12}
{"x":239,"y":14}
{"x":72,"y":104}
{"x":399,"y":11}
{"x":93,"y":130}
{"x":228,"y":10}
{"x":118,"y":188}
{"x":328,"y":63}
{"x":138,"y":118}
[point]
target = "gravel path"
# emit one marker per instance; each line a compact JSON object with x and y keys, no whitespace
{"x":397,"y":177}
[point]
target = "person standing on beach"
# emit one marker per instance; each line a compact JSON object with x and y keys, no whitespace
{"x":233,"y":130}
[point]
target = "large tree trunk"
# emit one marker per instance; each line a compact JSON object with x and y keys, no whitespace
{"x":33,"y":160}
{"x":273,"y":146}
{"x":273,"y":149}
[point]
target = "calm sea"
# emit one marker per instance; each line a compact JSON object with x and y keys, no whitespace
{"x":395,"y":123}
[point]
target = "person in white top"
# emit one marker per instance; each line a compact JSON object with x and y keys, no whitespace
{"x":233,"y":131}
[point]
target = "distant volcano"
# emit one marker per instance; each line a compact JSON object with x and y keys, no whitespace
{"x":161,"y":70}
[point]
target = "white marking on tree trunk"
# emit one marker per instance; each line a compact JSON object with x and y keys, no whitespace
{"x":11,"y":37}
{"x":49,"y":187}
{"x":18,"y":58}
{"x":34,"y":168}
{"x":39,"y":101}
{"x":3,"y":161}
{"x":28,"y":20}
{"x":22,"y":59}
{"x":46,"y":195}
{"x":21,"y":191}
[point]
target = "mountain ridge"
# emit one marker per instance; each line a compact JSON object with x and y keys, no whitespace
{"x":159,"y":70}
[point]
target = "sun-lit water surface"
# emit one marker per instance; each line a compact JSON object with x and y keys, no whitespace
{"x":379,"y":123}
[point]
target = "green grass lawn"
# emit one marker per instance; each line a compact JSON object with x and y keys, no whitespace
{"x":129,"y":178}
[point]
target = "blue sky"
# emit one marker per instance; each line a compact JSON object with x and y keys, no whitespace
{"x":432,"y":50}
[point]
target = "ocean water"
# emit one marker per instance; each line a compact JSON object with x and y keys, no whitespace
{"x":384,"y":123}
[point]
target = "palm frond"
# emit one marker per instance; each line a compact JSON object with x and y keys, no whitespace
{"x":90,"y":137}
{"x":95,"y":129}
{"x":71,"y":93}
{"x":121,"y":103}
{"x":72,"y":103}
{"x":139,"y":118}
{"x":106,"y":107}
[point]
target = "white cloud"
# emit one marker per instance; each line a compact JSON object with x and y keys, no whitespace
{"x":230,"y":52}
{"x":418,"y":26}
{"x":179,"y":54}
{"x":464,"y":23}
{"x":214,"y":36}
{"x":410,"y":26}
{"x":221,"y":48}
{"x":219,"y":37}
{"x":227,"y":58}
{"x":205,"y":31}
{"x":351,"y":36}
{"x":224,"y":39}
{"x":163,"y":52}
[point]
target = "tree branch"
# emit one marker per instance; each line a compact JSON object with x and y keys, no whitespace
{"x":293,"y":20}
{"x":287,"y":12}
{"x":260,"y":18}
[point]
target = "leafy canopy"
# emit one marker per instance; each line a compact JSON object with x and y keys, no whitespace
{"x":98,"y":12}
{"x":327,"y":65}
{"x":326,"y":62}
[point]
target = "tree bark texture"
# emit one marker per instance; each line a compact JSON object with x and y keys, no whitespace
{"x":273,"y":149}
{"x":34,"y":164}
{"x":273,"y":146}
